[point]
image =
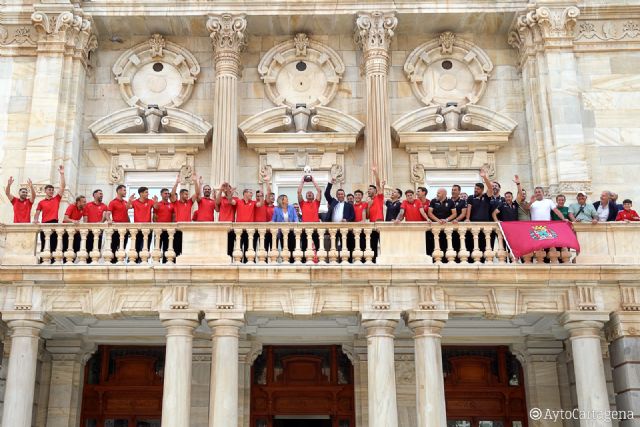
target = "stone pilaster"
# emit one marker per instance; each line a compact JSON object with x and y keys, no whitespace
{"x":374,"y":32}
{"x":383,"y":406}
{"x":225,"y":331}
{"x":68,"y":358}
{"x":539,"y":359}
{"x":430,"y":401}
{"x":19,"y":392}
{"x":624,"y":333}
{"x":176,"y":398}
{"x":544,"y":39}
{"x":229,"y":39}
{"x":591,"y":386}
{"x":64,"y":46}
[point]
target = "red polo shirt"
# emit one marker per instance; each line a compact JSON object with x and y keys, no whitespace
{"x":310,"y":211}
{"x":269,"y":212}
{"x":206,"y":206}
{"x":629,"y":216}
{"x":376,"y":209}
{"x":94,"y":212}
{"x":227,"y":210}
{"x":183,"y":210}
{"x":49,"y":208}
{"x":165,"y":210}
{"x":21,"y":210}
{"x":425,"y":205}
{"x":260,"y":213}
{"x":74,"y":213}
{"x":412,"y":210}
{"x":359,"y":208}
{"x":142,"y":210}
{"x":119,"y":211}
{"x":245,"y":211}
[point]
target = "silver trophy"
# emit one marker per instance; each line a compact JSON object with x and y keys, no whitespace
{"x":307,"y":173}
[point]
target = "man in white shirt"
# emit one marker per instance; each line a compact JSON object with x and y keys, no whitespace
{"x":541,"y":208}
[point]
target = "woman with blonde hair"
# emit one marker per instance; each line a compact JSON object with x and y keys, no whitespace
{"x":284,"y":212}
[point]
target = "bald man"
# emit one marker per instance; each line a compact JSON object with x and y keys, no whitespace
{"x":441,"y":209}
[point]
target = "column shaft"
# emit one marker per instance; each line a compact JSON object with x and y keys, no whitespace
{"x":383,"y":407}
{"x":223,"y":404}
{"x":176,"y":398}
{"x":21,"y":375}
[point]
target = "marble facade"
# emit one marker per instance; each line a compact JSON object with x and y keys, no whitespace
{"x":548,"y":90}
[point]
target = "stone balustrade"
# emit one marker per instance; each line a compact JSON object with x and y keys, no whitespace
{"x":298,"y":243}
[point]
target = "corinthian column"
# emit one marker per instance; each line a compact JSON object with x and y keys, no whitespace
{"x":373,"y":34}
{"x":229,"y":39}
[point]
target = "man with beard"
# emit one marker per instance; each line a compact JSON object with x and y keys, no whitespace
{"x":142,"y":209}
{"x":376,"y":199}
{"x":73,"y":215}
{"x":206,"y":204}
{"x":393,"y":205}
{"x":459,"y":203}
{"x":95,"y":212}
{"x":261,"y":195}
{"x":225,"y":203}
{"x":21,"y":204}
{"x":310,"y":204}
{"x":479,"y":207}
{"x":182,"y":207}
{"x":118,"y":212}
{"x":49,"y":207}
{"x":524,"y":207}
{"x":164,"y":211}
{"x":507,"y":210}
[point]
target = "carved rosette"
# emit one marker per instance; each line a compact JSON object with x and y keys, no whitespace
{"x":373,"y":35}
{"x":301,"y":71}
{"x":448,"y":69}
{"x":229,"y":39}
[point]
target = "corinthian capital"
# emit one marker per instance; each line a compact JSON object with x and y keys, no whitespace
{"x":375,"y":30}
{"x":51,"y":24}
{"x":227,"y":32}
{"x":542,"y":28}
{"x":557,"y":23}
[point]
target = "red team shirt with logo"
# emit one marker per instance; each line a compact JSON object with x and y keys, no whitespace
{"x":245,"y":211}
{"x":183,"y":210}
{"x":359,"y":208}
{"x":375,"y":211}
{"x":21,"y":210}
{"x":227,"y":210}
{"x":270,"y":209}
{"x":94,"y":212}
{"x":412,"y":210}
{"x":119,"y":211}
{"x":49,"y":208}
{"x":206,"y":206}
{"x":142,"y":210}
{"x":165,"y":210}
{"x":74,"y":213}
{"x":310,"y":210}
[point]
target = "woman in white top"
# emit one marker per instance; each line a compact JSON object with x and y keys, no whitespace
{"x":541,"y":208}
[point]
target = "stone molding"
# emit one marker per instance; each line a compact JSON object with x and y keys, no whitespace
{"x":177,"y":76}
{"x":623,"y":324}
{"x":228,"y":37}
{"x":322,"y":66}
{"x":17,"y":36}
{"x":468,"y":64}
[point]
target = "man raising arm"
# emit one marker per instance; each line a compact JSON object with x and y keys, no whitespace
{"x":21,"y":204}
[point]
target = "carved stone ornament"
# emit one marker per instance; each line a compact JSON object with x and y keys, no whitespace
{"x":17,"y":36}
{"x":375,"y":30}
{"x":610,"y":30}
{"x":157,"y":72}
{"x":301,"y":71}
{"x":448,"y":69}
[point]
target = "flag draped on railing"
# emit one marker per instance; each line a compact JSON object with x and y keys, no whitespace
{"x":524,"y":237}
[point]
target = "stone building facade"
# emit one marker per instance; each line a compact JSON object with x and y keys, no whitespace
{"x":428,"y":92}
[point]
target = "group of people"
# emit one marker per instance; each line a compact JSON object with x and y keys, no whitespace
{"x":486,"y":204}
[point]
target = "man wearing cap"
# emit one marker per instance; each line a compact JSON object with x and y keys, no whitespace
{"x":583,"y":211}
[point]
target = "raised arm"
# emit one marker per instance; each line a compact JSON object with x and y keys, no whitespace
{"x":519,"y":196}
{"x":196,"y":183}
{"x":318,"y":189}
{"x":32,"y":189}
{"x":63,"y":183}
{"x":300,"y":198}
{"x":327,"y":191}
{"x":485,"y":178}
{"x":173,"y":196}
{"x":130,"y":201}
{"x":374,"y":169}
{"x":7,"y":189}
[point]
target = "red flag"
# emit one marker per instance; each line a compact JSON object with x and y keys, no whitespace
{"x":524,"y":237}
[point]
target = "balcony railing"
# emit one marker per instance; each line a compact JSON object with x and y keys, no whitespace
{"x":286,"y":243}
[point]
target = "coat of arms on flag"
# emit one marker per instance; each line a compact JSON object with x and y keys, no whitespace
{"x":542,"y":232}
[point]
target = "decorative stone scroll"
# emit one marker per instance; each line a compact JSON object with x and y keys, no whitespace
{"x":448,"y":69}
{"x":157,"y":72}
{"x":301,"y":71}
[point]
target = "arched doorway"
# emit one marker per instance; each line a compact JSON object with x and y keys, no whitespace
{"x":123,"y":387}
{"x":484,"y":387}
{"x":296,"y":386}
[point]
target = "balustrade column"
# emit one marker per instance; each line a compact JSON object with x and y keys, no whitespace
{"x":229,"y":39}
{"x":176,"y":398}
{"x":373,"y":34}
{"x":223,"y":403}
{"x":591,"y":386}
{"x":383,"y":407}
{"x":430,"y":401}
{"x":21,"y":375}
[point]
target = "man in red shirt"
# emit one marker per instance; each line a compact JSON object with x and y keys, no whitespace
{"x":309,"y":205}
{"x":410,"y":208}
{"x":49,"y":207}
{"x":262,"y":211}
{"x":73,"y":215}
{"x":164,"y":211}
{"x":95,"y":212}
{"x":118,"y":212}
{"x":206,"y":204}
{"x":142,"y":207}
{"x":360,"y":207}
{"x":627,"y":214}
{"x":225,"y":203}
{"x":422,"y":197}
{"x":21,"y":204}
{"x":246,"y":207}
{"x":182,"y":208}
{"x":376,"y":200}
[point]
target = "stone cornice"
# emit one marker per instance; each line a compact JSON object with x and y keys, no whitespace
{"x":228,"y":37}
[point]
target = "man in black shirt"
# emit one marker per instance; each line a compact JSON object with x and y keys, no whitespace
{"x":393,"y":205}
{"x":507,"y":210}
{"x":479,"y":208}
{"x":459,"y":203}
{"x":441,"y":209}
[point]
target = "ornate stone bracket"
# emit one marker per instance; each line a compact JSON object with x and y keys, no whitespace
{"x":381,"y":296}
